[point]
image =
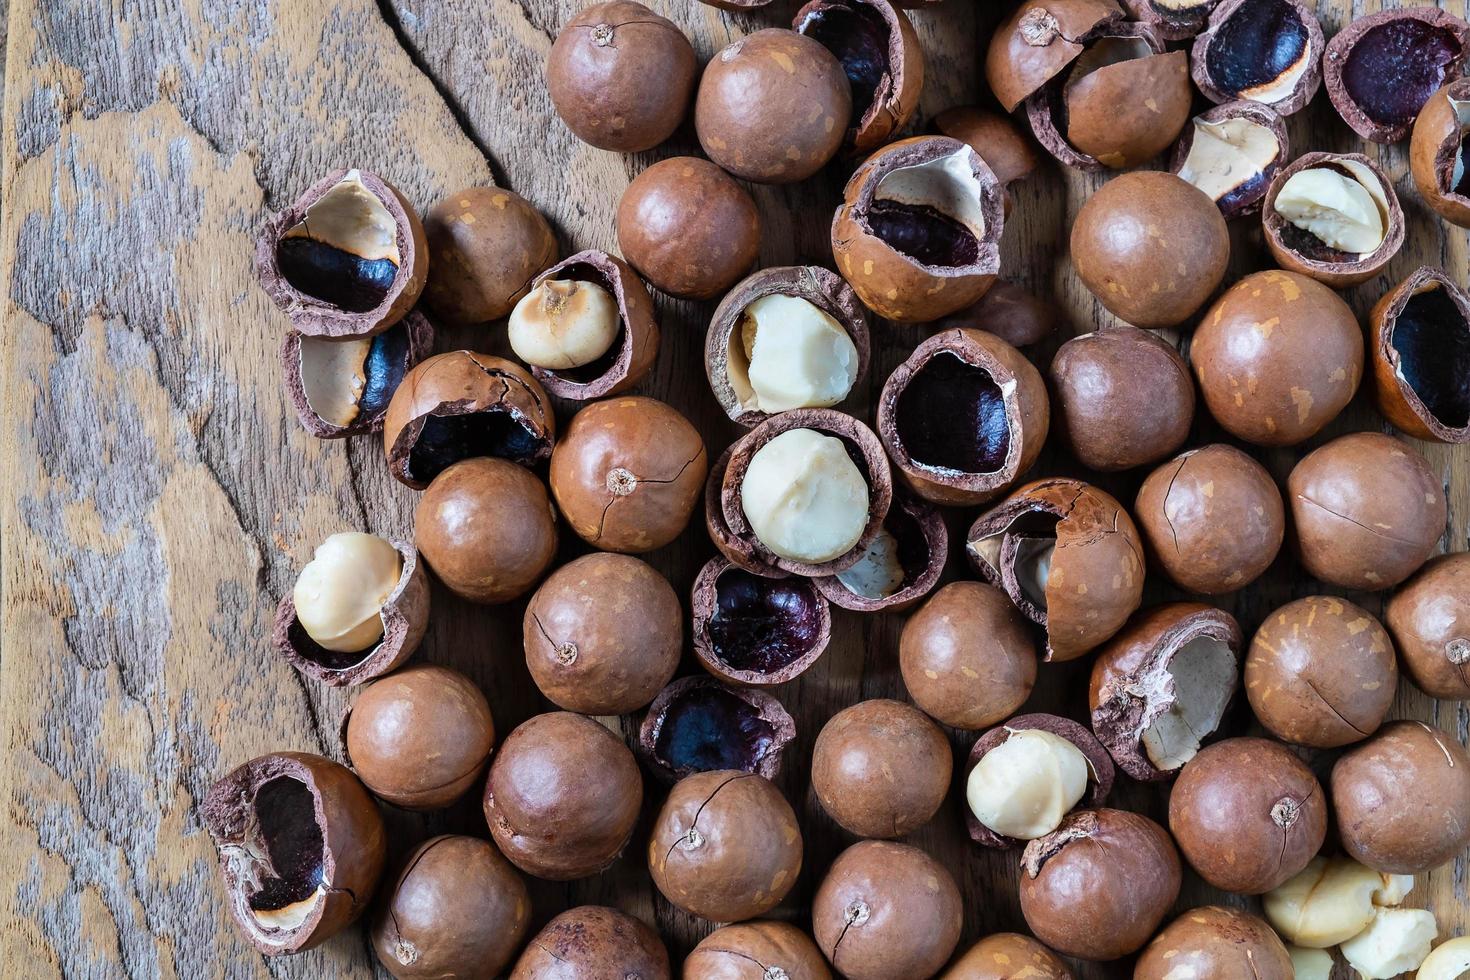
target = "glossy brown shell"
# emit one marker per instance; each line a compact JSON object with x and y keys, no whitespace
{"x":1214,"y":941}
{"x":752,"y":950}
{"x":1433,"y":150}
{"x":1306,"y":85}
{"x":704,"y":601}
{"x":592,"y":941}
{"x":929,"y":523}
{"x":1429,"y":617}
{"x":1338,"y":275}
{"x":418,"y":342}
{"x":764,"y":706}
{"x":487,"y":245}
{"x":1392,"y":393}
{"x":998,"y":140}
{"x":897,"y":95}
{"x":881,"y":768}
{"x":1007,"y":956}
{"x":1248,"y":202}
{"x":1039,"y":40}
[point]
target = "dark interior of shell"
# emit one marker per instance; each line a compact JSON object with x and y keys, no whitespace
{"x":1395,"y":67}
{"x":344,"y":251}
{"x":764,"y":624}
{"x":1232,"y":160}
{"x":706,"y":727}
{"x":447,"y":439}
{"x":931,"y":210}
{"x":893,"y":562}
{"x":1432,"y":339}
{"x":345,"y":380}
{"x":952,"y":416}
{"x":286,"y":825}
{"x":858,"y":36}
{"x":1260,"y":51}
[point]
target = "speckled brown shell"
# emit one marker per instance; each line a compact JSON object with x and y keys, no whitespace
{"x":319,"y":318}
{"x":998,"y":140}
{"x":1338,"y":275}
{"x":1131,"y":686}
{"x":754,"y":951}
{"x":1429,"y":617}
{"x":487,"y":244}
{"x":1039,"y":40}
{"x":405,"y":618}
{"x":590,"y":942}
{"x":765,"y":707}
{"x":930,"y":525}
{"x":881,"y":768}
{"x":1099,"y":767}
{"x":1433,"y":150}
{"x":1392,"y":393}
{"x":895,"y":285}
{"x":1236,"y":205}
{"x":463,"y":383}
{"x":1011,"y":312}
{"x":1402,"y":799}
{"x":1171,"y":24}
{"x":1215,"y":941}
{"x":1340,"y":48}
{"x":1028,"y":417}
{"x":867,"y":453}
{"x":353,"y":847}
{"x":1007,"y":956}
{"x":1306,"y":85}
{"x":704,"y":599}
{"x":1321,"y":673}
{"x":897,"y":95}
{"x":1096,"y":579}
{"x":418,"y":341}
{"x":821,"y":287}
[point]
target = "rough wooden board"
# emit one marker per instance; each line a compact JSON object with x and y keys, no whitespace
{"x":160,"y":496}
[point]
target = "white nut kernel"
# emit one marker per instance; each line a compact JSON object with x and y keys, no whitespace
{"x":339,"y":595}
{"x":1310,"y":964}
{"x":564,"y":323}
{"x":1328,"y":902}
{"x":1024,"y":786}
{"x":1336,"y":208}
{"x":791,"y":355}
{"x":1395,"y":889}
{"x":878,"y":574}
{"x":804,"y":496}
{"x":1397,"y":941}
{"x":1449,"y":961}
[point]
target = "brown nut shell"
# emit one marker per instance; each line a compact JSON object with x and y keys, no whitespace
{"x":698,"y":724}
{"x":1436,"y":152}
{"x":1247,"y":814}
{"x":591,"y":942}
{"x":631,"y":357}
{"x":420,"y":737}
{"x":1011,"y":312}
{"x":1381,"y":68}
{"x":620,"y":76}
{"x":806,"y":103}
{"x":756,"y":630}
{"x":967,"y":656}
{"x":461,"y":405}
{"x":1008,"y":956}
{"x":1240,"y":53}
{"x":736,"y":5}
{"x":627,"y":474}
{"x":1151,"y":247}
{"x":725,"y":846}
{"x":756,"y":951}
{"x":1122,"y":397}
{"x":900,"y":567}
{"x":1402,"y":799}
{"x":405,"y":615}
{"x":1300,"y":251}
{"x":1367,"y":510}
{"x":355,"y":295}
{"x":1215,"y":941}
{"x":1162,"y":685}
{"x":1099,"y":885}
{"x":885,"y":88}
{"x":1213,"y":519}
{"x":1321,"y":673}
{"x":321,"y":885}
{"x":579,"y":649}
{"x":918,"y":232}
{"x":688,"y":227}
{"x":1421,"y":353}
{"x":1231,"y":153}
{"x":1429,"y":617}
{"x":887,"y":910}
{"x":881,"y":768}
{"x":457,"y":908}
{"x":726,"y":361}
{"x":1172,"y":20}
{"x":963,"y":417}
{"x":563,"y":796}
{"x":1038,"y":41}
{"x":866,"y":452}
{"x":1278,"y":356}
{"x":488,"y":244}
{"x":1100,"y":770}
{"x":342,"y":388}
{"x":1095,"y":578}
{"x":998,"y":140}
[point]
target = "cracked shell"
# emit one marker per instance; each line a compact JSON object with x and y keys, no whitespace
{"x":726,"y":846}
{"x":1268,"y":51}
{"x":756,"y":630}
{"x":1437,"y":152}
{"x":887,"y":910}
{"x":698,"y":724}
{"x":901,"y":566}
{"x":627,"y":474}
{"x":1298,"y":250}
{"x":488,"y":244}
{"x":591,"y":942}
{"x":301,"y":847}
{"x":1367,"y":510}
{"x":1172,"y":20}
{"x":1069,"y":557}
{"x":1231,"y":153}
{"x":1247,"y":814}
{"x":1421,"y":356}
{"x":755,"y":951}
{"x":883,"y":60}
{"x":342,"y":388}
{"x":1215,"y":941}
{"x":1039,"y":40}
{"x":1429,"y":617}
{"x":1008,"y":956}
{"x":462,"y":405}
{"x":881,"y":768}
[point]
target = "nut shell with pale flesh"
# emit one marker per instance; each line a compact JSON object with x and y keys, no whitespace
{"x":1215,"y":941}
{"x":1268,"y":51}
{"x":1231,"y":153}
{"x":1420,"y":345}
{"x":1007,"y":956}
{"x":698,"y":724}
{"x":487,"y":245}
{"x":1437,"y":152}
{"x":1069,"y":557}
{"x":342,"y":388}
{"x":995,"y":137}
{"x":1429,"y":617}
{"x":1298,"y":249}
{"x":756,"y":951}
{"x":589,"y":942}
{"x":901,"y":565}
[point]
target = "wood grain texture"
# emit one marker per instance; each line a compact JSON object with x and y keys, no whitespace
{"x":159,"y":495}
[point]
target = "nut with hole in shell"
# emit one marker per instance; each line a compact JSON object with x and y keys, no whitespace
{"x":725,"y":846}
{"x":1011,"y":312}
{"x":1161,"y":686}
{"x":887,"y":910}
{"x":881,"y":768}
{"x":1449,"y":960}
{"x":757,"y":630}
{"x":1215,"y":941}
{"x":1039,"y":41}
{"x":1069,"y":557}
{"x":1437,"y":152}
{"x":918,"y":232}
{"x":348,"y":258}
{"x":328,"y":844}
{"x":1330,"y":901}
{"x":901,"y":565}
{"x":1429,"y":617}
{"x":1247,"y":814}
{"x":963,"y":417}
{"x":783,"y":338}
{"x":1334,"y":217}
{"x":1007,"y":956}
{"x":589,"y":942}
{"x":698,"y":724}
{"x":1231,"y":153}
{"x":1172,"y":20}
{"x":1099,"y":885}
{"x":755,"y":951}
{"x":1321,"y":673}
{"x":340,"y":593}
{"x":342,"y":388}
{"x":882,"y":58}
{"x":1420,"y":345}
{"x":1395,"y":943}
{"x":487,"y":244}
{"x":1267,"y":51}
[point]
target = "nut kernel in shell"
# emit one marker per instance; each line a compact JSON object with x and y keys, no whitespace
{"x":1334,"y":207}
{"x":1263,"y":50}
{"x":563,"y":323}
{"x":804,"y":497}
{"x":1449,"y":961}
{"x":1231,"y":153}
{"x":1395,"y":942}
{"x":1437,"y":152}
{"x":339,"y":595}
{"x":1334,"y":204}
{"x":1023,"y":787}
{"x":1327,"y":902}
{"x":791,"y":355}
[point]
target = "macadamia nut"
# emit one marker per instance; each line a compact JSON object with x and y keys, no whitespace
{"x":564,"y":323}
{"x":804,"y":496}
{"x":339,"y":595}
{"x":1338,"y":209}
{"x":1449,"y":961}
{"x":1331,"y":901}
{"x":795,"y":354}
{"x":1310,"y":964}
{"x":1396,"y":941}
{"x":879,"y":573}
{"x":1023,"y":787}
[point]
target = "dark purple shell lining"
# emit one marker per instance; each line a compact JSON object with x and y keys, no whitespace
{"x":393,"y":353}
{"x":1249,"y":43}
{"x":1381,"y":69}
{"x":697,"y":724}
{"x":753,"y":629}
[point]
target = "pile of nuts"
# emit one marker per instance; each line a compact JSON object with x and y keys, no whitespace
{"x":813,"y":507}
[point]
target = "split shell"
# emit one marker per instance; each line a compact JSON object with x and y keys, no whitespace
{"x":1301,"y":251}
{"x":763,"y":726}
{"x":1235,"y":194}
{"x":1436,"y":152}
{"x":1038,"y":41}
{"x":787,"y":624}
{"x":1238,"y":24}
{"x":920,"y":550}
{"x":1419,"y":385}
{"x":342,"y":388}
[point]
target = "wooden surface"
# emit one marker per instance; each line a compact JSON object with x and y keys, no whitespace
{"x":159,"y":495}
